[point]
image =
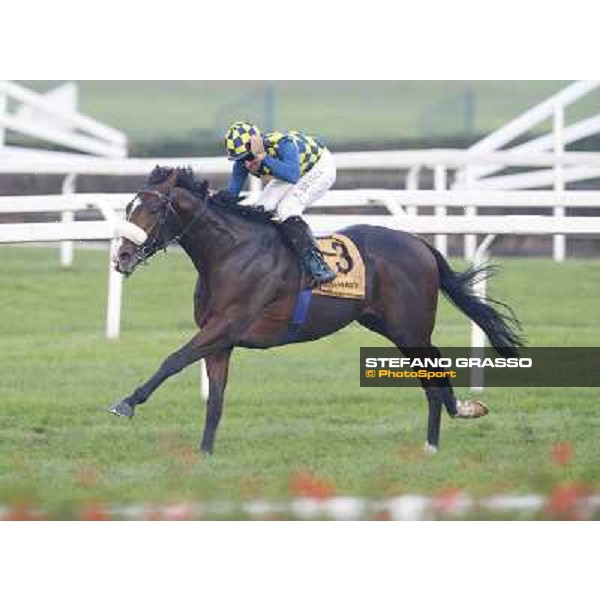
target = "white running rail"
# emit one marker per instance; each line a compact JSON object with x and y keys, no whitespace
{"x":569,"y":166}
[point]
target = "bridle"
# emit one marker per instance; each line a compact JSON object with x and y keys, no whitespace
{"x":169,"y":222}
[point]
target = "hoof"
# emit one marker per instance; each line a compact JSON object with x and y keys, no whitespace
{"x":429,"y":449}
{"x":471,"y":409}
{"x":122,"y":409}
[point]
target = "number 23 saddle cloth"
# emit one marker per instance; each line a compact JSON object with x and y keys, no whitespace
{"x":343,"y":257}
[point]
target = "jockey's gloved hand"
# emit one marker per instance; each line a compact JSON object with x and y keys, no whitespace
{"x":257,"y":147}
{"x":223,"y":196}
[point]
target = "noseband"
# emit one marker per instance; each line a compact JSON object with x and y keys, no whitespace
{"x":169,"y":223}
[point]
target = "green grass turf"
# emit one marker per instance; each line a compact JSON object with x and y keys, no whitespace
{"x":376,"y":109}
{"x":287,"y":409}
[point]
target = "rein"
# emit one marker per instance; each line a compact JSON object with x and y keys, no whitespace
{"x":155,"y":241}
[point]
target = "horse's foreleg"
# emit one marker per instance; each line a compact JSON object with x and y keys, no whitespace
{"x":215,"y":337}
{"x":217,"y":366}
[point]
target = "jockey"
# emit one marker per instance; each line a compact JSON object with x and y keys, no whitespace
{"x":297,"y":170}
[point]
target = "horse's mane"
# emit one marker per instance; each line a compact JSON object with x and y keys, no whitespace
{"x":251,"y":213}
{"x":198,"y":187}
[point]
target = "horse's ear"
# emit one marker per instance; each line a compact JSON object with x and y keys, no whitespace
{"x":171,"y":180}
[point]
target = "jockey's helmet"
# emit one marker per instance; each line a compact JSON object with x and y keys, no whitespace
{"x":237,"y":139}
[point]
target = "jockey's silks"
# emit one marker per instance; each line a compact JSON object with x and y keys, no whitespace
{"x":290,"y":155}
{"x":309,"y":149}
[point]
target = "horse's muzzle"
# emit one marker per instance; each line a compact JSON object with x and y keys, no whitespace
{"x":126,"y":261}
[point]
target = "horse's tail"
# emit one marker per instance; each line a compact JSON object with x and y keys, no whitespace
{"x":495,"y":318}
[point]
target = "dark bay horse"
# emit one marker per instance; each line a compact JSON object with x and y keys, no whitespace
{"x":249,"y":280}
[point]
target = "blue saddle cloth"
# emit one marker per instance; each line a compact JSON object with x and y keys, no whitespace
{"x":301,"y":309}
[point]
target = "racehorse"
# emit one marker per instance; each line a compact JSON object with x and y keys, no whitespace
{"x":249,"y":279}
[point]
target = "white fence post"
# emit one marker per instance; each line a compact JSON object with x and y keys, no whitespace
{"x":470,"y":241}
{"x":115,"y":293}
{"x":115,"y":279}
{"x":439,"y":176}
{"x":67,"y":216}
{"x":477,"y":335}
{"x":412,"y":183}
{"x":559,"y":241}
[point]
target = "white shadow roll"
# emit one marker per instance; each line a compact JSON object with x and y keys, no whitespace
{"x":130,"y":231}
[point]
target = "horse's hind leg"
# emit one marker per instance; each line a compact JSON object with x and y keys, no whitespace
{"x":438,"y":394}
{"x":415,"y":345}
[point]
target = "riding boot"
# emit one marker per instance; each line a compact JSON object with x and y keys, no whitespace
{"x":302,"y":240}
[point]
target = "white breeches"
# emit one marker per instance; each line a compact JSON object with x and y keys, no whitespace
{"x":291,"y":199}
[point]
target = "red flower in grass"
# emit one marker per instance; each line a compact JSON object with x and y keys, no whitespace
{"x":153,"y":514}
{"x":562,"y":453}
{"x":94,"y":512}
{"x":21,"y":512}
{"x":178,"y":512}
{"x":170,"y":512}
{"x":382,"y":515}
{"x":272,"y":516}
{"x":567,"y":500}
{"x":306,"y":485}
{"x":448,"y":500}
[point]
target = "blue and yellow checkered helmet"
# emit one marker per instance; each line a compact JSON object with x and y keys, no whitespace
{"x":237,"y":139}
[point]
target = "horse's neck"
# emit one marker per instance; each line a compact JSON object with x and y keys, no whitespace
{"x":215,"y":235}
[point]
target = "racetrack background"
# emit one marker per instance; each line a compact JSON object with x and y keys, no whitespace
{"x":296,"y":423}
{"x":188,"y":116}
